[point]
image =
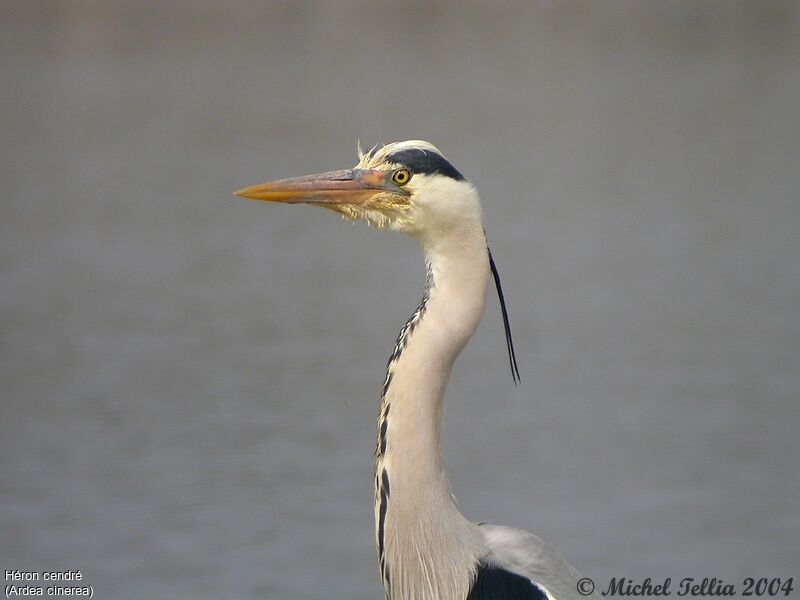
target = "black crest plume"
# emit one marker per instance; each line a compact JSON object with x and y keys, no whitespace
{"x":512,"y":357}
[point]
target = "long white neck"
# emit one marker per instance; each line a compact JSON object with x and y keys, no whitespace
{"x":427,"y":548}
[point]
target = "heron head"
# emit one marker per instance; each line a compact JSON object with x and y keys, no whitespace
{"x":405,"y":186}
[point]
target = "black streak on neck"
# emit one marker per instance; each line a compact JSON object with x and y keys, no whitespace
{"x":382,"y":485}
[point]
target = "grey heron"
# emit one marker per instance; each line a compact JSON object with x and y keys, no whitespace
{"x":428,"y":550}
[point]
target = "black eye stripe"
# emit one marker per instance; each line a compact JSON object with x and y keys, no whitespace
{"x":425,"y":162}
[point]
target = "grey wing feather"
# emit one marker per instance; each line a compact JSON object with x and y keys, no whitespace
{"x":523,"y":553}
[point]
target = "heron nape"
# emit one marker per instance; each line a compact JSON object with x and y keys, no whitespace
{"x":426,"y":548}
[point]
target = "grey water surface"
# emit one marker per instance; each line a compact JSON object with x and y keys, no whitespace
{"x":189,"y":381}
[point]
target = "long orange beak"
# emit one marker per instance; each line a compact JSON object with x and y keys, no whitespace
{"x":351,"y":186}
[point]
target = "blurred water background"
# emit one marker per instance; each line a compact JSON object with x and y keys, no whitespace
{"x":189,"y":381}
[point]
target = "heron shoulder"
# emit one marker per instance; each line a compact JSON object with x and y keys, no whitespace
{"x":524,"y":554}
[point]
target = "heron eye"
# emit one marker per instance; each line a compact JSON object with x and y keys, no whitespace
{"x":401,"y":176}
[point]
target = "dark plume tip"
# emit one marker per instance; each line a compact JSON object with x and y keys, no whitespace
{"x":512,"y":355}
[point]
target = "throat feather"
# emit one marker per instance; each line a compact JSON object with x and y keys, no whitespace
{"x":382,"y":485}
